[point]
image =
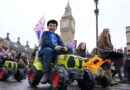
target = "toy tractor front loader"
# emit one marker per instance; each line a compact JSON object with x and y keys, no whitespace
{"x":98,"y":64}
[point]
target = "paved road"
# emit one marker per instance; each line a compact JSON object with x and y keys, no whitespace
{"x":12,"y":84}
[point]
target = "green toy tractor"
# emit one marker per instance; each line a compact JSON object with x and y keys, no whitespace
{"x":10,"y":68}
{"x":66,"y":69}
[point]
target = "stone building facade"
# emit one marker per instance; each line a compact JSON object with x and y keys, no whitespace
{"x":67,"y":25}
{"x":128,"y":37}
{"x":17,"y":46}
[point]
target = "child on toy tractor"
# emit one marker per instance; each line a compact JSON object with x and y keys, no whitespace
{"x":22,"y":62}
{"x":4,"y":51}
{"x":104,"y":46}
{"x":8,"y":65}
{"x":50,"y":43}
{"x":66,"y":67}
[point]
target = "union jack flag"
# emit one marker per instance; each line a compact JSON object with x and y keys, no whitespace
{"x":40,"y":27}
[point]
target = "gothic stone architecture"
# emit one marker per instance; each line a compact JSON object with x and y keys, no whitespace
{"x":128,"y":37}
{"x":67,"y":26}
{"x":17,"y":46}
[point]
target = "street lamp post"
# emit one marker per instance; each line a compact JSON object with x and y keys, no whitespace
{"x":96,"y":11}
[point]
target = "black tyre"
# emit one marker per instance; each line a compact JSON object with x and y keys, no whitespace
{"x":57,"y":82}
{"x":1,"y":61}
{"x":103,"y":81}
{"x":87,"y":83}
{"x":19,"y":75}
{"x":3,"y":74}
{"x":34,"y":76}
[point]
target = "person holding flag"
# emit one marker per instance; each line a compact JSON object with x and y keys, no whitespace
{"x":51,"y":43}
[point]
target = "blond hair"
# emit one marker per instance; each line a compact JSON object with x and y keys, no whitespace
{"x":4,"y":42}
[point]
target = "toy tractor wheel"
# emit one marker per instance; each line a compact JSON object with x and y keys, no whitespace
{"x":34,"y":76}
{"x":87,"y":83}
{"x":103,"y":81}
{"x":19,"y":75}
{"x":57,"y":83}
{"x":3,"y":74}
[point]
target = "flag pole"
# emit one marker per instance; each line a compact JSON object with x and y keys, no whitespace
{"x":40,"y":39}
{"x":43,"y":28}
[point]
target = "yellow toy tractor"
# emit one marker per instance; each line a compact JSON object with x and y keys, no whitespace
{"x":99,"y":64}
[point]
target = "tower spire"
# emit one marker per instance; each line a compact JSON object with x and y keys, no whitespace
{"x":67,"y":10}
{"x":68,"y":4}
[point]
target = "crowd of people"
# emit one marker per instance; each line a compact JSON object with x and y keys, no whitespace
{"x":51,"y":42}
{"x":12,"y":55}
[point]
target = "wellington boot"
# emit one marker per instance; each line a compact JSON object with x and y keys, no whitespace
{"x":112,"y":82}
{"x":109,"y":76}
{"x":45,"y":78}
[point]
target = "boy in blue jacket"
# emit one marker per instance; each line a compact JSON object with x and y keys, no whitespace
{"x":51,"y":43}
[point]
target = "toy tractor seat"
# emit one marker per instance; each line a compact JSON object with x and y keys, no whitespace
{"x":112,"y":55}
{"x":109,"y":57}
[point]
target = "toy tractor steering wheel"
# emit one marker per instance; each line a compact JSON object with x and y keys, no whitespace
{"x":61,"y":51}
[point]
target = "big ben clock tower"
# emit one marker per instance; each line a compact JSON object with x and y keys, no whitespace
{"x":67,"y":26}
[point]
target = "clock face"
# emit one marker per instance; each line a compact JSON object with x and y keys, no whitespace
{"x":65,"y":23}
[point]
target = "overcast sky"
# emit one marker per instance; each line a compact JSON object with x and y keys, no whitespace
{"x":18,"y":17}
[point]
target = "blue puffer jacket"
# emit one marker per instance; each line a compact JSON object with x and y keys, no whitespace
{"x":46,"y":41}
